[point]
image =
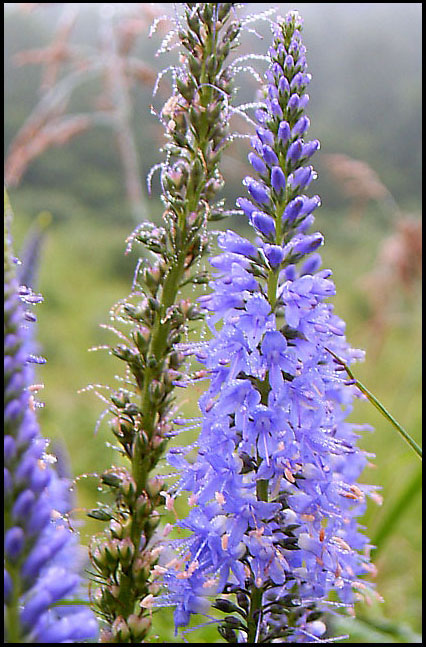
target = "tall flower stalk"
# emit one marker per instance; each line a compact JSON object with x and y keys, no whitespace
{"x":274,"y":491}
{"x":41,"y":552}
{"x":197,"y":131}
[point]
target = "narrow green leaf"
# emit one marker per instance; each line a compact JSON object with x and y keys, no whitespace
{"x":375,"y":402}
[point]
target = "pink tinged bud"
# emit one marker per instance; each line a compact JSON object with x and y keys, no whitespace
{"x":139,"y":626}
{"x":167,"y":529}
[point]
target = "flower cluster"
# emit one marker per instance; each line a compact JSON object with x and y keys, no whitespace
{"x":274,"y":490}
{"x":41,"y":552}
{"x":197,"y":130}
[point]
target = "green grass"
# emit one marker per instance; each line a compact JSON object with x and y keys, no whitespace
{"x":84,"y":271}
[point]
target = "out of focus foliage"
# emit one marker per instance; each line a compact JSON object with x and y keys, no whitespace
{"x":365,"y":61}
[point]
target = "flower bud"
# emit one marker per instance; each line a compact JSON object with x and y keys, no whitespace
{"x":265,"y":136}
{"x":284,"y":131}
{"x":274,"y":254}
{"x":120,"y":630}
{"x":139,"y":626}
{"x":257,"y":190}
{"x":278,"y":180}
{"x":126,"y":550}
{"x":258,"y":165}
{"x":264,"y":223}
{"x":269,"y":155}
{"x":294,"y":152}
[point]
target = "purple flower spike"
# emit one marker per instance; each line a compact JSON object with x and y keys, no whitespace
{"x":33,"y":521}
{"x":273,"y":487}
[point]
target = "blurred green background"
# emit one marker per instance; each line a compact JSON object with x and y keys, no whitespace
{"x":365,"y":59}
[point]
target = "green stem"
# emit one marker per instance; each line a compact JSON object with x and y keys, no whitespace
{"x":375,"y":402}
{"x":12,"y":608}
{"x":262,"y":489}
{"x":272,"y":289}
{"x":253,"y":615}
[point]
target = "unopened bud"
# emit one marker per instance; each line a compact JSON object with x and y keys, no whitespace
{"x":138,"y":626}
{"x":126,"y":550}
{"x":154,"y":486}
{"x":120,"y":630}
